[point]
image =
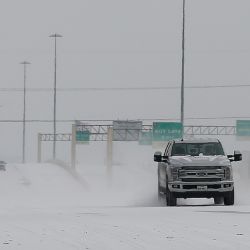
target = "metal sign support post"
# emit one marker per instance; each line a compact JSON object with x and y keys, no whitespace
{"x":73,"y":147}
{"x":24,"y":109}
{"x":183,"y":64}
{"x":109,"y":149}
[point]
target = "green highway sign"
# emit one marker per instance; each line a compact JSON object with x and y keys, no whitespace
{"x":82,"y":136}
{"x":243,"y":127}
{"x":145,"y":138}
{"x":165,"y":131}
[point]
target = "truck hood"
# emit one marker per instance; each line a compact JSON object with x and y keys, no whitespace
{"x":217,"y":160}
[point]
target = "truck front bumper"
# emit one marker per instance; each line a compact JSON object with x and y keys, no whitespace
{"x":200,"y":189}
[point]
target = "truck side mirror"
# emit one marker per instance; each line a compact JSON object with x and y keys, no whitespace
{"x":158,"y":156}
{"x":237,"y":155}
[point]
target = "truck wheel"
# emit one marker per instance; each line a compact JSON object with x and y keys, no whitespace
{"x":170,"y":198}
{"x":229,"y":198}
{"x":159,"y":193}
{"x":160,"y":189}
{"x":161,"y":199}
{"x":218,"y":200}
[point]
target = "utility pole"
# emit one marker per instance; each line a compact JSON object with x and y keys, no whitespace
{"x":55,"y":36}
{"x":24,"y":63}
{"x":183,"y":63}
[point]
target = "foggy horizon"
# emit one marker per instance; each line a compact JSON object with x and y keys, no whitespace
{"x":118,"y":44}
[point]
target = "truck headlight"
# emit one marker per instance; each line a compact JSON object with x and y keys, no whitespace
{"x":174,"y":173}
{"x":228,"y":173}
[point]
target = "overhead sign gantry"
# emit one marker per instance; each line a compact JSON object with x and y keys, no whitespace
{"x":144,"y":134}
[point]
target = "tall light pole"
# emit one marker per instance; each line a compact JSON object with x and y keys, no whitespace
{"x":24,"y":63}
{"x":183,"y":63}
{"x":55,"y":36}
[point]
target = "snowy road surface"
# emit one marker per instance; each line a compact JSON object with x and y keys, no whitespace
{"x":126,"y":228}
{"x":45,"y":207}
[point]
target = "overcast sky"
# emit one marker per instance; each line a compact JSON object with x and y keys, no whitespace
{"x":132,"y":43}
{"x":117,"y":43}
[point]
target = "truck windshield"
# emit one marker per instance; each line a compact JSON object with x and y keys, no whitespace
{"x":195,"y":149}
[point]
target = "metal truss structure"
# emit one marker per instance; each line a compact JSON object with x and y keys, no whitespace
{"x":99,"y":132}
{"x":59,"y":137}
{"x":209,"y":130}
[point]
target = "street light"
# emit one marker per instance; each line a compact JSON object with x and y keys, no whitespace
{"x":24,"y":63}
{"x":183,"y":63}
{"x":55,"y":36}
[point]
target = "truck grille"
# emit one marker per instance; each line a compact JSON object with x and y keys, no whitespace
{"x":201,"y":179}
{"x":201,"y":174}
{"x":214,"y":186}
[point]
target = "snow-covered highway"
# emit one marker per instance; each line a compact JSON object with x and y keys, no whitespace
{"x":45,"y":207}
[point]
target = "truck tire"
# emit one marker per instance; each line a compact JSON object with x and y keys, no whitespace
{"x":229,"y":198}
{"x":170,"y":198}
{"x":159,"y":193}
{"x":218,"y":200}
{"x":159,"y":187}
{"x":161,"y":190}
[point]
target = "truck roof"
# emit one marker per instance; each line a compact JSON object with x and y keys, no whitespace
{"x":196,"y":140}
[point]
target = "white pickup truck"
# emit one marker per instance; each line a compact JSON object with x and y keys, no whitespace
{"x":196,"y":168}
